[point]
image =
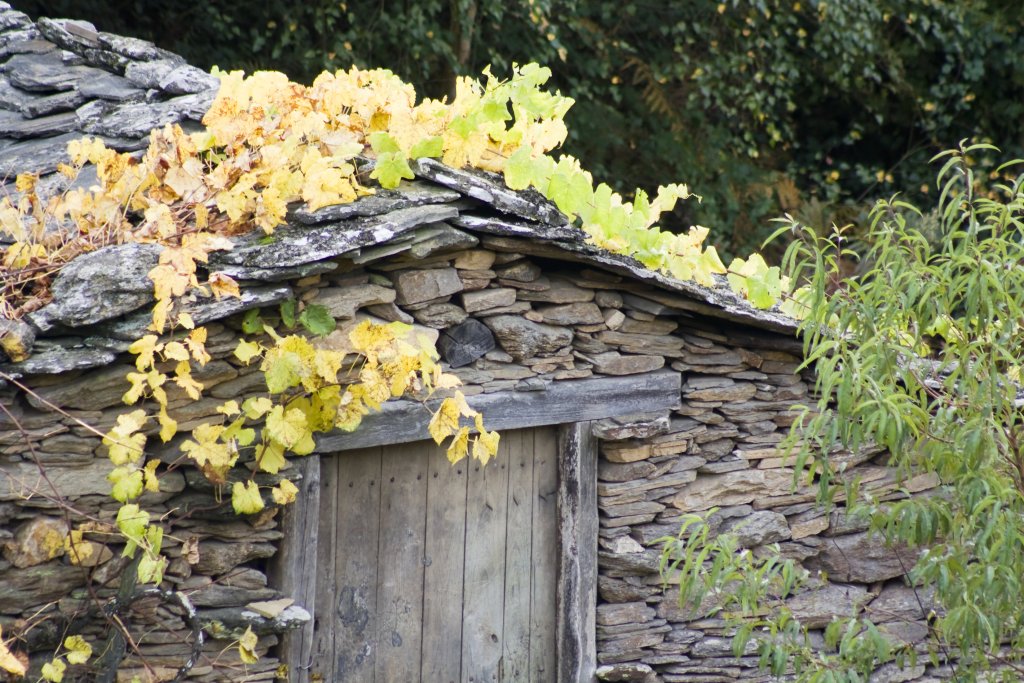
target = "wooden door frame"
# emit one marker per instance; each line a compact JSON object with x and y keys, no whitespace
{"x":571,"y":405}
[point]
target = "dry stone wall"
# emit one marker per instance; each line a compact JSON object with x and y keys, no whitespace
{"x":507,"y":322}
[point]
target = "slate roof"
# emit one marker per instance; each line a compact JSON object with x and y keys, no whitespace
{"x":62,"y":78}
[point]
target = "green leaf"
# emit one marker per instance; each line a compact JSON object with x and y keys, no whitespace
{"x":317,"y":320}
{"x":132,"y":522}
{"x":252,"y":323}
{"x":427,"y":147}
{"x":127,"y":483}
{"x":391,"y":168}
{"x":288,"y":313}
{"x":383,"y":143}
{"x":519,"y":169}
{"x":245,"y":498}
{"x":282,"y":371}
{"x":151,"y":569}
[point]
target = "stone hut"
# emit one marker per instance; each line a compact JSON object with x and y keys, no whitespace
{"x":626,"y":399}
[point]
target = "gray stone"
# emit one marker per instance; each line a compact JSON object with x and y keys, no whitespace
{"x":631,"y":427}
{"x":217,"y":595}
{"x":758,"y":528}
{"x":816,"y":608}
{"x":440,"y":237}
{"x":138,"y":119}
{"x":620,"y":472}
{"x":632,"y":672}
{"x":16,"y":126}
{"x":624,"y":613}
{"x":390,"y":312}
{"x":585,"y":313}
{"x":440,"y":316}
{"x":343,"y":302}
{"x":107,"y":86}
{"x":615,"y":363}
{"x":104,"y":284}
{"x":408,"y":194}
{"x":417,"y":286}
{"x":524,"y":339}
{"x":489,"y":189}
{"x":57,"y":360}
{"x":148,"y":74}
{"x":661,"y":326}
{"x":484,"y":299}
{"x":899,"y":602}
{"x":216,"y":557}
{"x":44,"y":72}
{"x":863,"y":558}
{"x":894,"y":673}
{"x":520,"y":271}
{"x":559,"y":291}
{"x":22,"y":589}
{"x":187,"y":79}
{"x":96,"y":390}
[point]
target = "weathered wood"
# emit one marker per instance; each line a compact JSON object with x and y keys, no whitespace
{"x":354,"y":608}
{"x":403,"y":512}
{"x":518,"y":556}
{"x":442,"y":573}
{"x":484,"y":583}
{"x":562,"y":403}
{"x":322,"y":650}
{"x":577,"y":576}
{"x":293,"y":569}
{"x":545,"y":557}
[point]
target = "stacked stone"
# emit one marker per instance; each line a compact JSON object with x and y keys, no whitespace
{"x":61,"y":79}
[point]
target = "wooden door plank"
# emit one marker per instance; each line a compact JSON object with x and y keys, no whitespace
{"x":293,"y":570}
{"x":545,"y":557}
{"x":322,"y":651}
{"x":577,"y":575}
{"x":443,"y":567}
{"x":484,"y":582}
{"x":518,"y":556}
{"x":354,"y":605}
{"x":403,"y":512}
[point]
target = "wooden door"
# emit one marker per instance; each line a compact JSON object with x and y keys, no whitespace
{"x":440,"y":573}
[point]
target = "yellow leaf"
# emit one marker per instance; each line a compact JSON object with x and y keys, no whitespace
{"x":9,"y":661}
{"x":168,"y":425}
{"x":445,"y":421}
{"x":247,"y":646}
{"x":175,"y":351}
{"x":151,"y":482}
{"x":196,"y":343}
{"x":247,"y":350}
{"x":144,"y":349}
{"x":79,"y":651}
{"x":284,"y":492}
{"x":256,"y":407}
{"x":459,"y":446}
{"x":229,"y":408}
{"x":223,"y":285}
{"x":245,"y":498}
{"x":287,"y":427}
{"x":183,"y":378}
{"x":186,"y":321}
{"x":485,"y":446}
{"x":270,"y":456}
{"x":54,"y":671}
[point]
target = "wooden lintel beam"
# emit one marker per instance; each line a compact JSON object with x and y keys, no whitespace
{"x":562,"y":403}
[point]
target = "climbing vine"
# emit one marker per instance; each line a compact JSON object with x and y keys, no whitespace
{"x":269,"y":143}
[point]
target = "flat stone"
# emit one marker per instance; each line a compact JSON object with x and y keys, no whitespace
{"x":56,"y":360}
{"x":631,"y":427}
{"x":617,"y":472}
{"x":633,"y":672}
{"x":416,"y":286}
{"x":111,"y":87}
{"x":96,"y":390}
{"x":21,"y":479}
{"x":38,"y":540}
{"x":559,"y":291}
{"x":15,"y":125}
{"x":661,"y":326}
{"x":898,"y":602}
{"x":408,"y":194}
{"x":729,"y":390}
{"x":343,"y":302}
{"x":732,"y":488}
{"x":524,"y":339}
{"x":216,"y":557}
{"x":464,"y":343}
{"x":624,"y":613}
{"x":613,"y":319}
{"x":862,"y":558}
{"x":440,"y":316}
{"x":44,"y":72}
{"x":816,"y":608}
{"x":138,"y":119}
{"x":585,"y":313}
{"x":217,"y":595}
{"x":474,"y":259}
{"x":520,"y":271}
{"x":149,"y":73}
{"x":758,"y":528}
{"x":440,"y":237}
{"x":186,"y":79}
{"x":484,"y":299}
{"x":22,"y":589}
{"x":16,"y":339}
{"x":615,"y":363}
{"x":490,"y":189}
{"x":104,"y":284}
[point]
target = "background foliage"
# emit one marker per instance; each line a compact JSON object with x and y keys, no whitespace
{"x":762,"y":106}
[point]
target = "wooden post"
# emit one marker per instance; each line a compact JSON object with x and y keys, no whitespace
{"x":293,"y":568}
{"x":577,"y":571}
